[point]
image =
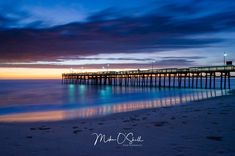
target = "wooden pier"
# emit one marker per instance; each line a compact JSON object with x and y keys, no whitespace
{"x":209,"y":77}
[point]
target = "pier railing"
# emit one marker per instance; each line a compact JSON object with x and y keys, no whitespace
{"x":192,"y":77}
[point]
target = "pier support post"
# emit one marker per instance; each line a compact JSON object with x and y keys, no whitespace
{"x":159,"y":81}
{"x":221,"y":80}
{"x":189,"y":81}
{"x":174,"y":80}
{"x":185,"y":79}
{"x":169,"y":80}
{"x":210,"y":79}
{"x":225,"y":80}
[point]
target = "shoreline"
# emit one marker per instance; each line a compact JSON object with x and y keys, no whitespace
{"x":204,"y":127}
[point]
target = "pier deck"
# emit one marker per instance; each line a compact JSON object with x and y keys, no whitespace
{"x":208,"y":77}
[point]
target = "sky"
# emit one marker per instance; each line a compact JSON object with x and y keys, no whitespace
{"x":42,"y":39}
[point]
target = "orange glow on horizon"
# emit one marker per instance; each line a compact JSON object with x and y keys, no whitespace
{"x":41,"y":73}
{"x":30,"y":73}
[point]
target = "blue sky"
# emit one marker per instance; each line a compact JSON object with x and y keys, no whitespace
{"x":124,"y":34}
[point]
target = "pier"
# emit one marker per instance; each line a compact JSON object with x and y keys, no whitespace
{"x":208,"y":77}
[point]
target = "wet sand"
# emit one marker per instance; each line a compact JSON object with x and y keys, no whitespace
{"x":204,"y":127}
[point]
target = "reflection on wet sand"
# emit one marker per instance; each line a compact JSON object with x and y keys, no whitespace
{"x":96,"y":111}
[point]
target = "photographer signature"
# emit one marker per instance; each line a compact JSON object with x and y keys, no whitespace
{"x":126,"y":139}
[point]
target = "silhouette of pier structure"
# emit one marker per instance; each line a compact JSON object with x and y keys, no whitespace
{"x":208,"y":77}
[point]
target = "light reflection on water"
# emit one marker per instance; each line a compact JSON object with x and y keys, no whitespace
{"x":102,"y":109}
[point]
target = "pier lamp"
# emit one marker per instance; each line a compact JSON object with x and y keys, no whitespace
{"x":225,"y":55}
{"x":82,"y":69}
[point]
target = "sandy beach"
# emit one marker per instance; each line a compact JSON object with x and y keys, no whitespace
{"x":198,"y":128}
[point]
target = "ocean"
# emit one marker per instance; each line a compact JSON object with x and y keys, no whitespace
{"x":49,"y":100}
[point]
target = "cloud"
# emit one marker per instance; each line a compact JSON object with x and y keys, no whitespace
{"x":157,"y":64}
{"x":171,"y":26}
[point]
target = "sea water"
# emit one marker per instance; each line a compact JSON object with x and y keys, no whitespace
{"x":49,"y":100}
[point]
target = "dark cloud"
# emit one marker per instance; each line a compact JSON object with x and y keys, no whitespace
{"x":112,"y":31}
{"x":107,"y":14}
{"x":184,"y":57}
{"x":6,"y":22}
{"x":109,"y":59}
{"x":181,"y":8}
{"x":157,"y":64}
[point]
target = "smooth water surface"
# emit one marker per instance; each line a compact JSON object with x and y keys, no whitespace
{"x":49,"y":100}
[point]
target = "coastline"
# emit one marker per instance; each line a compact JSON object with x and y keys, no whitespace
{"x":204,"y":127}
